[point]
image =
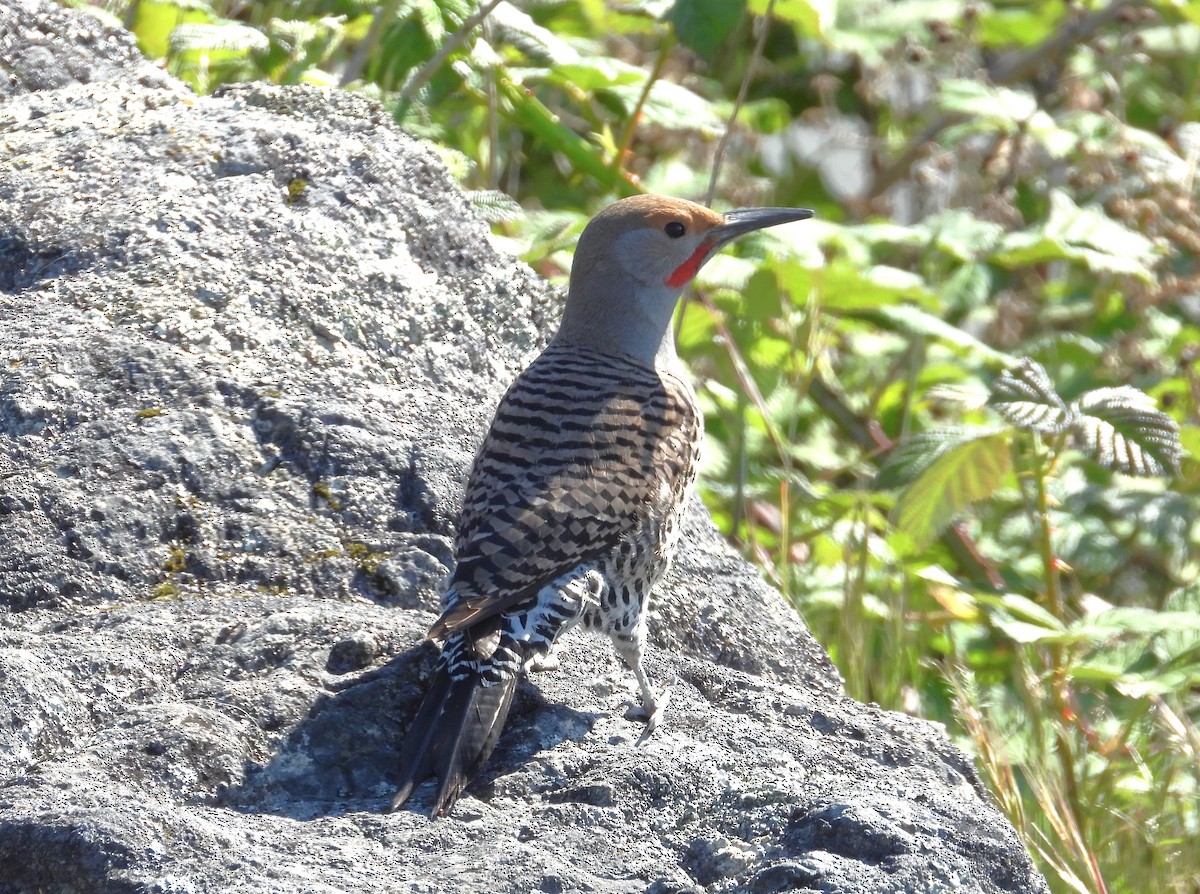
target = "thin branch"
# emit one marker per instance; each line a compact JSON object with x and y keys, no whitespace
{"x":719,"y":158}
{"x":763,"y":23}
{"x":630,"y":128}
{"x":427,"y":71}
{"x":1021,"y":66}
{"x":358,"y":62}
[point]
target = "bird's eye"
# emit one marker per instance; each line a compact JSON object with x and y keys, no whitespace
{"x":674,"y":229}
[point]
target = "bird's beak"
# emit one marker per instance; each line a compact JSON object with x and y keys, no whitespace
{"x":739,"y":223}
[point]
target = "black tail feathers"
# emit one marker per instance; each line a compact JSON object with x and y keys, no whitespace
{"x":453,"y":734}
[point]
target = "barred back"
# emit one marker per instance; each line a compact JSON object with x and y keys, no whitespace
{"x":586,"y":450}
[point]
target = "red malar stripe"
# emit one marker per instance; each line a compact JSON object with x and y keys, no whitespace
{"x":684,"y":272}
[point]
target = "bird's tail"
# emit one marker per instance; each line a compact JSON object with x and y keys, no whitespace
{"x":454,"y":731}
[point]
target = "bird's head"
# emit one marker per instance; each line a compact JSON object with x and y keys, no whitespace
{"x":658,"y":241}
{"x":635,"y":258}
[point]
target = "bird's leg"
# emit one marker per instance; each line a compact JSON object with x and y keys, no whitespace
{"x":630,"y":648}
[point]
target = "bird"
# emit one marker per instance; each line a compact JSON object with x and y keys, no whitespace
{"x":573,"y":506}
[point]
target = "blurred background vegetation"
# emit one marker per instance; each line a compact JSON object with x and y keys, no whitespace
{"x":955,"y":418}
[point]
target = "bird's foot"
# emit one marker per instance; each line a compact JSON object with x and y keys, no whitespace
{"x":652,"y":711}
{"x":547,"y":662}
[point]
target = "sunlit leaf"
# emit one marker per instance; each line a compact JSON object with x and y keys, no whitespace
{"x":1089,"y":227}
{"x":1025,"y":397}
{"x":881,"y":233}
{"x":963,"y":235}
{"x":1020,"y":26}
{"x":1023,"y":631}
{"x":1085,"y":234}
{"x":229,"y":36}
{"x":961,"y":476}
{"x":1131,"y":621}
{"x":811,"y":17}
{"x":911,"y":320}
{"x":156,"y":19}
{"x":987,"y":108}
{"x":967,"y":288}
{"x":1026,"y":609}
{"x":962,"y":398}
{"x":847,"y":287}
{"x":1157,"y":682}
{"x":916,"y":453}
{"x":870,"y":28}
{"x":980,"y":100}
{"x":1124,"y":430}
{"x":949,"y":593}
{"x":671,"y":106}
{"x":515,"y":28}
{"x":599,"y":73}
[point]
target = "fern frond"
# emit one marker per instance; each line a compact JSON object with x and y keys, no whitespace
{"x":494,"y":206}
{"x":230,"y":37}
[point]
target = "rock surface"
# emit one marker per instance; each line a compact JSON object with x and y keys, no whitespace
{"x":235,"y":419}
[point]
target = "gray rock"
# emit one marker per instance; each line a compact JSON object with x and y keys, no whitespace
{"x":235,"y":420}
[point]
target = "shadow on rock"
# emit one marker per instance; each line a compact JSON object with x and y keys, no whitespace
{"x":342,"y":757}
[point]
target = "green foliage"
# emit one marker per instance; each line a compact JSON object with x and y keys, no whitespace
{"x":955,"y":475}
{"x":956,"y":417}
{"x":703,"y":25}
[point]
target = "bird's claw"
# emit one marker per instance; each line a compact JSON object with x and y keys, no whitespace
{"x":542,"y":663}
{"x":652,"y":713}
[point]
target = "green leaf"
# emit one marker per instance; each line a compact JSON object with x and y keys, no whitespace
{"x":1123,"y":430}
{"x":1131,"y":621}
{"x":156,"y":19}
{"x":812,"y":18}
{"x":1029,"y":247}
{"x":847,"y":287}
{"x":964,"y":236}
{"x":913,"y":455}
{"x":230,"y":37}
{"x":765,"y":116}
{"x":1071,"y":350}
{"x":1189,"y":439}
{"x":979,"y":100}
{"x":1023,"y":26}
{"x":1026,"y":609}
{"x":961,"y":476}
{"x":426,"y":12}
{"x":671,"y":106}
{"x":703,"y":25}
{"x":1141,"y":686}
{"x":533,"y":116}
{"x":1091,"y":228}
{"x":1084,"y":234}
{"x":1023,"y":632}
{"x":516,"y":29}
{"x":1025,"y":397}
{"x":967,"y":288}
{"x":910,"y":320}
{"x":598,"y":73}
{"x":871,"y":29}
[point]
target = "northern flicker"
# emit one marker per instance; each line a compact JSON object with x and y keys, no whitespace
{"x":572,"y":509}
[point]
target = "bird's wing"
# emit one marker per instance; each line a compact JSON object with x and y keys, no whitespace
{"x":572,"y":464}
